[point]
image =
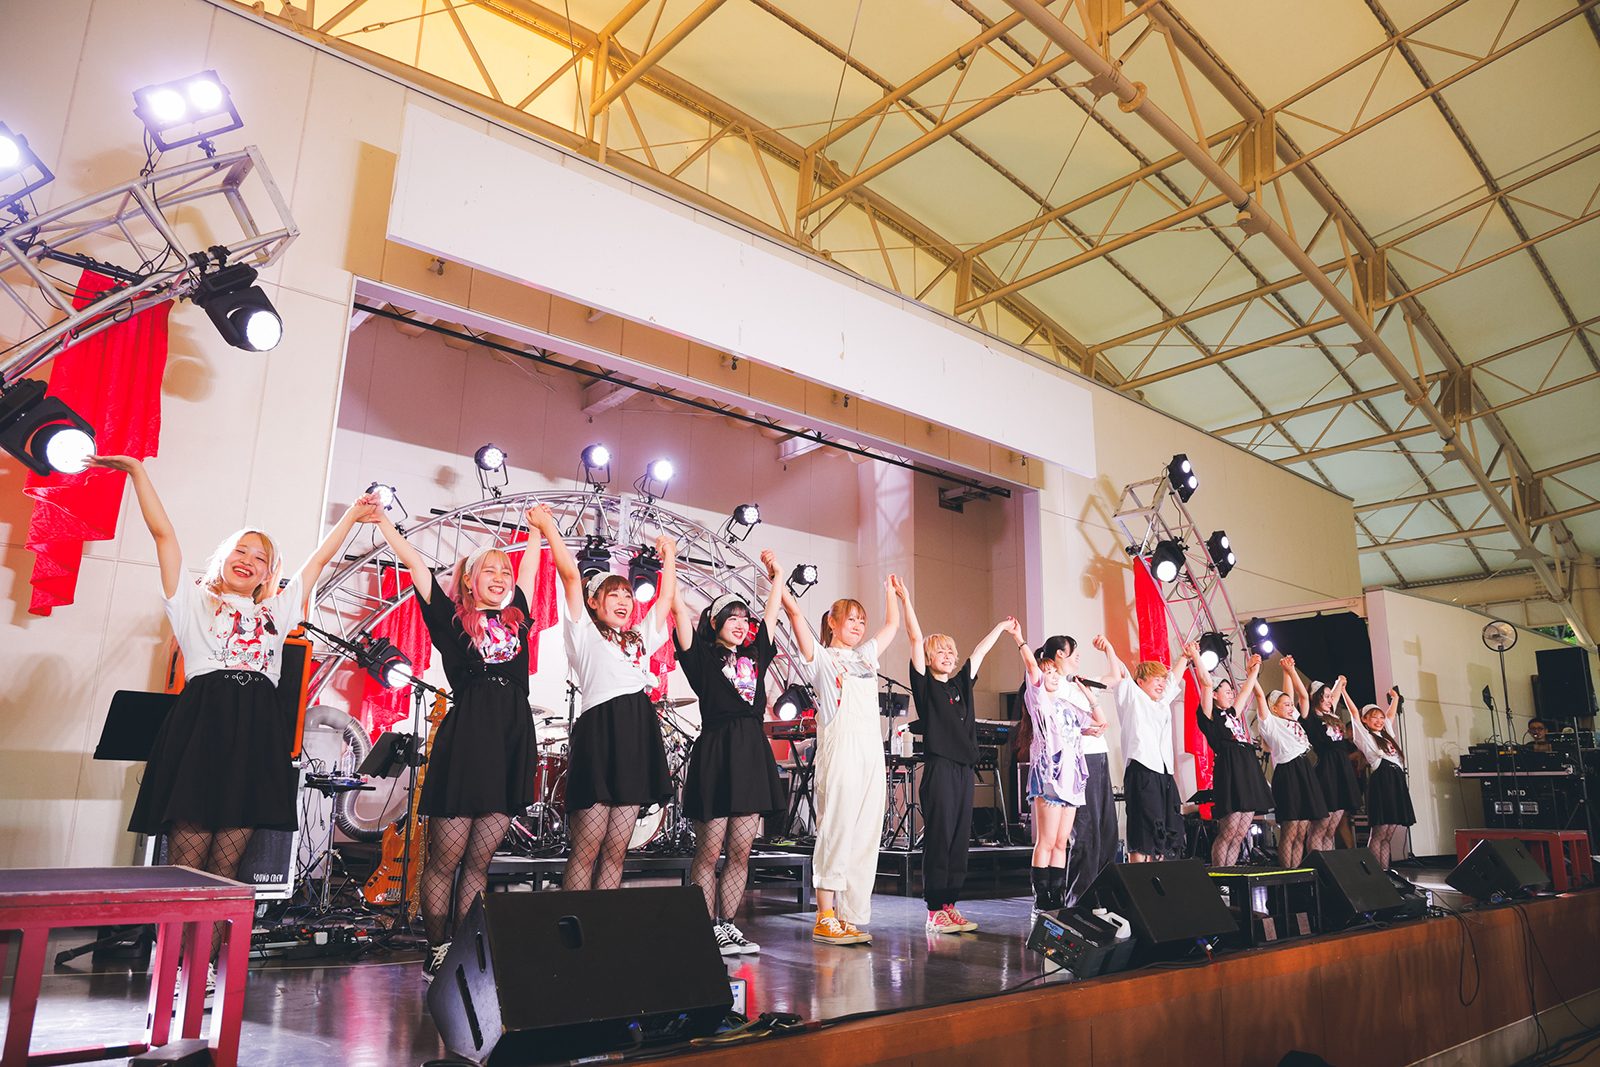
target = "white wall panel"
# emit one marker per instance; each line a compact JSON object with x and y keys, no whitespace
{"x":531,"y":213}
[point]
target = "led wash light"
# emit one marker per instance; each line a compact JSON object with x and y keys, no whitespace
{"x":21,"y":172}
{"x":655,"y":479}
{"x":1213,"y":650}
{"x":1259,"y":637}
{"x":42,"y":431}
{"x":596,"y":463}
{"x":490,"y":461}
{"x":390,"y":667}
{"x":1182,"y":478}
{"x":795,"y":702}
{"x":801,"y":579}
{"x":188,"y":111}
{"x":741,"y":521}
{"x":1220,"y":549}
{"x":644,"y":574}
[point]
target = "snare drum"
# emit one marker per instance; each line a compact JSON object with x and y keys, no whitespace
{"x":648,"y":826}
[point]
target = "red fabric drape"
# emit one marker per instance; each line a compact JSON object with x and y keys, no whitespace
{"x":381,"y":708}
{"x":1151,"y":610}
{"x":112,"y":379}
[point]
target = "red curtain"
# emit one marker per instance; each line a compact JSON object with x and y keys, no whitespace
{"x":112,"y":379}
{"x":1151,"y":610}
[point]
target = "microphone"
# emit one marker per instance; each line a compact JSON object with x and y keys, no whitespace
{"x":1089,"y":682}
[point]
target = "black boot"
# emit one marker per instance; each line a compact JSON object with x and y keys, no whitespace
{"x":1040,"y":876}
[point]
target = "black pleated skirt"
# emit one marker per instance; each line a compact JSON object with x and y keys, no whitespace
{"x":1296,"y":793}
{"x":617,"y":756}
{"x":1238,"y":782}
{"x":732,"y":772}
{"x":482,"y":759}
{"x":1388,"y":798}
{"x":221,"y":759}
{"x":1337,"y":776}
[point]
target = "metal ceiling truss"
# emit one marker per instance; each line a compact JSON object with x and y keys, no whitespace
{"x":1356,"y":291}
{"x":352,"y":601}
{"x":1253,"y":212}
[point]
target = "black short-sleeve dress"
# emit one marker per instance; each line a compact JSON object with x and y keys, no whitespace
{"x":1336,"y":774}
{"x":1239,"y":783}
{"x":731,"y":771}
{"x":482,"y":759}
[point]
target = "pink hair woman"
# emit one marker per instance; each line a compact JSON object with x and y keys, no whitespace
{"x":480,"y":768}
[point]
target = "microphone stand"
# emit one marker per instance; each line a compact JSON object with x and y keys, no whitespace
{"x":413,"y":759}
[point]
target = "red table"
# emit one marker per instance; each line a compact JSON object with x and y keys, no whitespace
{"x":182,"y":903}
{"x":1564,"y":854}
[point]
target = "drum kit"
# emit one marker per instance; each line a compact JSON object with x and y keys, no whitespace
{"x":541,"y":830}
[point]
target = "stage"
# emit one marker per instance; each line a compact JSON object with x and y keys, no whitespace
{"x":1404,"y":979}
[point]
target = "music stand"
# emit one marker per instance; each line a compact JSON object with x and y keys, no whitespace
{"x":132,"y":722}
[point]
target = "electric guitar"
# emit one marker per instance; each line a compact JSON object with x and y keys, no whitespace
{"x":384,"y":887}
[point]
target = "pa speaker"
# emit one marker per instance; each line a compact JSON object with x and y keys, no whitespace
{"x":1498,"y":867}
{"x":1165,"y":902}
{"x":1352,"y":884}
{"x":535,"y":977}
{"x":1566,"y":683}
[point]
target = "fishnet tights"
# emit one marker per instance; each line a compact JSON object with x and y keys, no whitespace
{"x":1292,"y":842}
{"x":1323,"y":833}
{"x":599,"y":846}
{"x":736,"y":834}
{"x":1232,"y":829}
{"x":213,"y":851}
{"x":1382,"y":840}
{"x":466,"y":843}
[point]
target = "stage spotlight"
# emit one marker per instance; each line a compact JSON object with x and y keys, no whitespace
{"x":386,"y":663}
{"x":1181,"y":475}
{"x":239,"y":309}
{"x":594,"y":557}
{"x":1259,"y":637}
{"x":1220,"y":549}
{"x":802,"y":578}
{"x":596,"y":463}
{"x":492,"y":474}
{"x":42,"y":431}
{"x":187,"y":111}
{"x":1166,"y":562}
{"x":644,"y":574}
{"x":21,"y":171}
{"x":389,"y":500}
{"x":795,"y":702}
{"x":1213,"y":650}
{"x":655,"y":479}
{"x":743,"y":519}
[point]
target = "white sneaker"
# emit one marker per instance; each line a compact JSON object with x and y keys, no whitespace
{"x":738,"y":940}
{"x":725,"y":943}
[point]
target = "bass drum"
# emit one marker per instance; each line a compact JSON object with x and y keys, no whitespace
{"x":648,"y":826}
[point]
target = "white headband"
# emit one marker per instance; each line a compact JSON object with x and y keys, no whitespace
{"x":592,"y":586}
{"x":1273,"y":698}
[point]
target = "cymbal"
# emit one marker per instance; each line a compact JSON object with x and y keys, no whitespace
{"x":677,"y":702}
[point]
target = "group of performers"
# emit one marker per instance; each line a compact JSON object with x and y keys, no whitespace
{"x":217,"y":771}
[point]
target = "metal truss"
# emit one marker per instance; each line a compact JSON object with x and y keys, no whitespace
{"x":352,"y":601}
{"x":1358,"y":283}
{"x":1197,"y":601}
{"x":144,"y":222}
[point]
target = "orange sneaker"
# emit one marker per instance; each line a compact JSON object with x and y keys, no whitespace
{"x":830,"y":931}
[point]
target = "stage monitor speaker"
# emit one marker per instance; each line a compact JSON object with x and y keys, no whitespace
{"x":1165,"y":902}
{"x":1497,"y":867}
{"x":1566,"y":683}
{"x":535,"y":977}
{"x":1352,"y":885}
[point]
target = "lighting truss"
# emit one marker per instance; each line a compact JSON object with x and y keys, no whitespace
{"x":154,"y":235}
{"x":351,"y":602}
{"x":1151,"y":512}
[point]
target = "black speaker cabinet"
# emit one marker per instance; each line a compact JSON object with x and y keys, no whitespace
{"x":1165,"y":902}
{"x":535,"y":977}
{"x":1352,"y":885}
{"x":1566,"y":683}
{"x":1497,"y":867}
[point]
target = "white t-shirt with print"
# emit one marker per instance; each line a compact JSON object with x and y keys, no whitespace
{"x":600,"y":668}
{"x":844,"y":678}
{"x":229,"y":632}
